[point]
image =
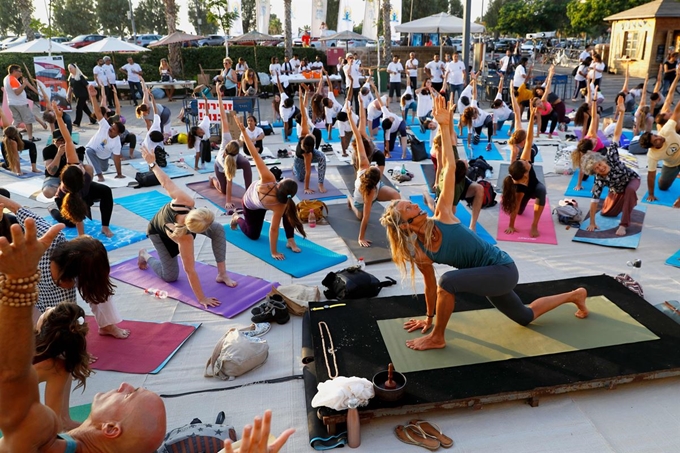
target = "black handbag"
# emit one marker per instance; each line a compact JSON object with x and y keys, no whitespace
{"x":353,"y":283}
{"x":206,"y":151}
{"x":161,"y":156}
{"x":146,"y":179}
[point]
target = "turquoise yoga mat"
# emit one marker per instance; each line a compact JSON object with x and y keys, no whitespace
{"x":665,"y":197}
{"x":122,"y":236}
{"x":674,"y":260}
{"x":172,"y":170}
{"x":312,"y":258}
{"x":144,"y":204}
{"x":463,"y":215}
{"x":587,"y":187}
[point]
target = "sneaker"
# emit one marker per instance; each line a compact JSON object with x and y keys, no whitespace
{"x":266,"y":305}
{"x":275,"y":311}
{"x":256,"y":330}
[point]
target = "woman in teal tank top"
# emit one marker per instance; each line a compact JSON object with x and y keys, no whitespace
{"x":481,"y":268}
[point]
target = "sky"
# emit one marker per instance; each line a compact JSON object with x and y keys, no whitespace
{"x":301,"y":11}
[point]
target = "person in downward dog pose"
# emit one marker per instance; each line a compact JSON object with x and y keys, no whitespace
{"x":420,"y":241}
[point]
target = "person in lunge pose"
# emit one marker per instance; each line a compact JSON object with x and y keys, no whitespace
{"x":420,"y":241}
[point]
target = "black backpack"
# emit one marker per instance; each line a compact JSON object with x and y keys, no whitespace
{"x":353,"y":283}
{"x":477,"y":168}
{"x":161,"y":156}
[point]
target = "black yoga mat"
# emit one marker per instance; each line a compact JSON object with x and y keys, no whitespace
{"x":429,"y":174}
{"x":345,"y":223}
{"x":503,"y":172}
{"x":349,"y":176}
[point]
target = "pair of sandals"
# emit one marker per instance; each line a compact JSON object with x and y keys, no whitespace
{"x":424,"y":434}
{"x":327,"y":148}
{"x":282,"y":153}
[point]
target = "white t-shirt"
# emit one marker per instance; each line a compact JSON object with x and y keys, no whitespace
{"x":368,"y":98}
{"x":396,"y":122}
{"x":481,"y":117}
{"x":100,"y":75}
{"x":598,"y":68}
{"x":670,"y":151}
{"x":316,"y":65}
{"x":102,"y":144}
{"x":252,"y":134}
{"x":456,"y":72}
{"x":110,"y":72}
{"x":424,"y":106}
{"x":155,"y":126}
{"x":520,"y":76}
{"x":344,"y":127}
{"x":285,"y":113}
{"x":373,"y":111}
{"x":205,"y":125}
{"x":395,"y":70}
{"x":412,"y":67}
{"x":219,"y":160}
{"x":332,"y":112}
{"x":274,"y":69}
{"x":582,"y":57}
{"x":467,"y":92}
{"x":11,"y":83}
{"x":295,"y":63}
{"x":503,"y":112}
{"x":131,"y":76}
{"x":436,"y":70}
{"x":505,"y":62}
{"x":355,"y":72}
{"x":579,"y":77}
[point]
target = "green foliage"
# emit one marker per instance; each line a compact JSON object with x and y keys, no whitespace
{"x":456,"y":8}
{"x":198,"y":9}
{"x":422,"y":9}
{"x":519,"y":17}
{"x":275,"y":25}
{"x":248,"y":15}
{"x":10,"y":24}
{"x":332,"y":9}
{"x":109,"y":13}
{"x":148,"y":18}
{"x":493,"y":14}
{"x":358,"y":28}
{"x":218,"y":12}
{"x":43,"y":29}
{"x":588,"y":16}
{"x":74,"y":17}
{"x":514,"y":18}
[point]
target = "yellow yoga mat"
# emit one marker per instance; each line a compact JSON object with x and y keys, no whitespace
{"x":480,"y":336}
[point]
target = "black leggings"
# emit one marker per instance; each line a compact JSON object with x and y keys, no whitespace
{"x":80,"y":108}
{"x":102,"y":194}
{"x":130,"y":139}
{"x":253,"y":219}
{"x":29,"y":145}
{"x":579,"y":87}
{"x":553,"y":118}
{"x":539,"y":194}
{"x":488,"y":124}
{"x":501,"y":293}
{"x":317,"y":136}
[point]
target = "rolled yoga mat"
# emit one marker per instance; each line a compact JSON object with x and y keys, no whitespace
{"x":207,"y":191}
{"x":606,"y":234}
{"x":148,"y":348}
{"x":664,"y":197}
{"x":346,"y":225}
{"x":587,"y":187}
{"x":121,"y":236}
{"x":332,"y":193}
{"x":312,"y":257}
{"x":349,"y":176}
{"x":248,"y":292}
{"x":145,"y":204}
{"x":546,"y":225}
{"x":172,"y":170}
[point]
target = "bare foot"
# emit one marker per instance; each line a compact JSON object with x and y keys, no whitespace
{"x":293,"y":246}
{"x":580,"y":295}
{"x":132,"y":154}
{"x":34,"y":169}
{"x":106,"y":231}
{"x":621,"y":231}
{"x":142,"y":258}
{"x":473,"y":227}
{"x":214,"y":183}
{"x":234,"y":221}
{"x":91,"y":358}
{"x":100,"y":178}
{"x":114,"y":331}
{"x":534,"y":232}
{"x":425,"y":343}
{"x":224,"y":278}
{"x":119,"y":177}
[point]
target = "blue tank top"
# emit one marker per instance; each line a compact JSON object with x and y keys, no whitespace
{"x":463,"y":249}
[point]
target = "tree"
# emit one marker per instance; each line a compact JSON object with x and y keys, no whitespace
{"x":248,"y":15}
{"x":37,"y":25}
{"x":68,"y":22}
{"x":513,"y":18}
{"x":109,"y":13}
{"x":387,"y":31}
{"x":332,"y":14}
{"x":455,"y":8}
{"x":10,"y":24}
{"x":422,"y":9}
{"x":588,"y":16}
{"x":358,"y":28}
{"x":25,"y":8}
{"x":147,"y":19}
{"x":275,"y":25}
{"x":492,"y":14}
{"x":198,"y":11}
{"x":521,"y":17}
{"x":174,"y":55}
{"x":288,"y":17}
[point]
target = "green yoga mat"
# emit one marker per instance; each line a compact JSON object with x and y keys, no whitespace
{"x":481,"y":336}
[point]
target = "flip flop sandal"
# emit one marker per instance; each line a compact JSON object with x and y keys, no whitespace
{"x":414,"y":435}
{"x":433,"y":431}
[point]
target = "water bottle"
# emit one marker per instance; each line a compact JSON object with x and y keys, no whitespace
{"x":636,"y":265}
{"x":361,"y":263}
{"x":157,"y":293}
{"x":353,"y":424}
{"x":311,"y":220}
{"x":403,"y":169}
{"x":181,"y":160}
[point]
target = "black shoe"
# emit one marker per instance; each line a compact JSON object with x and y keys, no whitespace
{"x":267,"y":304}
{"x":274,"y":312}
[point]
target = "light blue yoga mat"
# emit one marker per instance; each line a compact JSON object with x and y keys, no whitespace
{"x":312,"y":258}
{"x":75,"y":136}
{"x":606,"y":236}
{"x":26,"y":170}
{"x":665,"y":197}
{"x":463,"y":215}
{"x":144,"y":204}
{"x":674,"y":260}
{"x":587,"y":191}
{"x":122,"y":236}
{"x":292,"y":138}
{"x":172,"y":170}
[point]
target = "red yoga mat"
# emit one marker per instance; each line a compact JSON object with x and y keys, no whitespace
{"x":148,"y":348}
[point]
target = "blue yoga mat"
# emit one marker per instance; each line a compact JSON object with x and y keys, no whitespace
{"x":674,"y":260}
{"x":75,"y":136}
{"x":501,"y":133}
{"x":313,"y":257}
{"x":463,"y":215}
{"x":395,"y":155}
{"x":605,"y":236}
{"x":122,"y":236}
{"x":207,"y":168}
{"x":292,"y":138}
{"x":172,"y":170}
{"x":422,"y":136}
{"x":144,"y":204}
{"x":474,"y":151}
{"x":665,"y":197}
{"x":587,"y":191}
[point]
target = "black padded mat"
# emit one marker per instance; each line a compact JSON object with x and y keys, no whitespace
{"x":346,"y":225}
{"x":362,"y":352}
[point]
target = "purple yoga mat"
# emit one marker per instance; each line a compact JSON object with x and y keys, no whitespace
{"x":207,"y":191}
{"x":332,"y":192}
{"x":605,"y":141}
{"x":248,"y":292}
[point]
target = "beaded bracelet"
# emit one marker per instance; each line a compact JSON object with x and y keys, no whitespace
{"x":431,"y":316}
{"x":20,"y":292}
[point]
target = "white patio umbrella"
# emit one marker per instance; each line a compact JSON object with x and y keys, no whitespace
{"x":438,"y":23}
{"x":41,"y":45}
{"x":108,"y":45}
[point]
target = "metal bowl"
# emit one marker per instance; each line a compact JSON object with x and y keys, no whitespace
{"x":389,"y":394}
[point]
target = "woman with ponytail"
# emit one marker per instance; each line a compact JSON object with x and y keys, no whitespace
{"x":264,"y":195}
{"x":200,"y":134}
{"x":228,"y":160}
{"x":144,"y":110}
{"x":12,"y":145}
{"x":61,"y":356}
{"x":522,"y":184}
{"x":417,"y":240}
{"x":368,"y":187}
{"x":77,"y":192}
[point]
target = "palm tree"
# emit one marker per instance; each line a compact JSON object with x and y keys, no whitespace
{"x":287,"y":11}
{"x":174,"y":55}
{"x":387,"y":31}
{"x":26,"y":10}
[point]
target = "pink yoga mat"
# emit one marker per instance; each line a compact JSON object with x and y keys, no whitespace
{"x":149,"y":346}
{"x":248,"y":292}
{"x":546,"y":227}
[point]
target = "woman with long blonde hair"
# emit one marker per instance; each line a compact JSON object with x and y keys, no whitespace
{"x":420,"y":241}
{"x":165,"y":71}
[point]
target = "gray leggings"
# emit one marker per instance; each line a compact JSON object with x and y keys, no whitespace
{"x":496,"y":283}
{"x":166,"y":265}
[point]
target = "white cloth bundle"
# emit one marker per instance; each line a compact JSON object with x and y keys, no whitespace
{"x":337,"y":392}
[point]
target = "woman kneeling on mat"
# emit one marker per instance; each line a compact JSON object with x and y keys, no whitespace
{"x":305,"y":153}
{"x":266,"y":194}
{"x":228,"y":160}
{"x":521,"y":185}
{"x":368,"y":187}
{"x":61,"y":356}
{"x":172,"y":231}
{"x":423,"y":241}
{"x":610,"y":172}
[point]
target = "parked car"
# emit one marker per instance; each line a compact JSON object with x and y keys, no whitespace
{"x":528,"y":46}
{"x":212,"y":40}
{"x":7,"y":40}
{"x":503,"y":45}
{"x":145,"y":40}
{"x":84,"y":40}
{"x":60,"y":39}
{"x":14,"y":42}
{"x":193,"y":43}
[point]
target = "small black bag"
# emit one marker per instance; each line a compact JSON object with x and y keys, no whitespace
{"x":146,"y":179}
{"x":206,"y":151}
{"x":276,"y":171}
{"x":353,"y":283}
{"x":161,"y":156}
{"x":166,"y":78}
{"x":418,"y":151}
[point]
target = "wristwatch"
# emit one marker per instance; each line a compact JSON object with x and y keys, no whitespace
{"x":151,"y":165}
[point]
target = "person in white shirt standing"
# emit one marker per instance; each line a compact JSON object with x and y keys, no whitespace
{"x":505,"y":63}
{"x":100,"y":76}
{"x":395,"y":69}
{"x":435,"y":70}
{"x":110,"y":73}
{"x":597,"y":67}
{"x":455,"y":75}
{"x":353,"y":71}
{"x":412,"y":71}
{"x":133,"y":71}
{"x":295,"y":63}
{"x":585,"y":54}
{"x":17,"y":101}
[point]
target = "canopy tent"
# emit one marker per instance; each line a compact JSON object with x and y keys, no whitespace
{"x":176,"y":38}
{"x":346,"y":36}
{"x":254,"y":37}
{"x":41,"y":45}
{"x":439,"y":23}
{"x":108,"y":45}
